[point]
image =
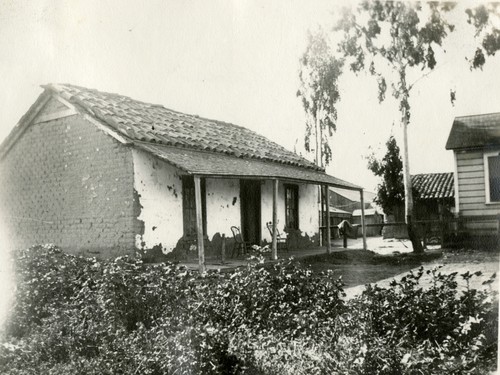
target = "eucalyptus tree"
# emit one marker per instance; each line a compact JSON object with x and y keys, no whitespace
{"x":319,"y":93}
{"x":396,"y":43}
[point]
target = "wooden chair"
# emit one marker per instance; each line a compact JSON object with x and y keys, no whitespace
{"x":239,"y":246}
{"x":282,"y":243}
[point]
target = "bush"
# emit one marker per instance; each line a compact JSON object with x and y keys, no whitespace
{"x":80,"y":315}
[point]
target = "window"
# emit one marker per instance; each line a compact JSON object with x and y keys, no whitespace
{"x":189,"y":207}
{"x":492,"y":177}
{"x":292,"y":206}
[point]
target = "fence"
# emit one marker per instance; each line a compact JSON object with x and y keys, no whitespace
{"x":456,"y":231}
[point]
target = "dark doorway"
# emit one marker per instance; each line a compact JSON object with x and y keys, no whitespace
{"x":250,"y":210}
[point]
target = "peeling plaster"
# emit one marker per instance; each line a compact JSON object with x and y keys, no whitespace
{"x":222,"y":210}
{"x":161,"y":206}
{"x":157,"y":184}
{"x":308,"y":209}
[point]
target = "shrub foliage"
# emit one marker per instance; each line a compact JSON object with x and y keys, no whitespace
{"x":79,"y":315}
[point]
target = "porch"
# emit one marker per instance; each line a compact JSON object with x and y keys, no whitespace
{"x":377,"y":244}
{"x":261,"y":192}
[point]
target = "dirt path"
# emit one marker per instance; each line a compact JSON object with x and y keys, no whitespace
{"x":461,"y":263}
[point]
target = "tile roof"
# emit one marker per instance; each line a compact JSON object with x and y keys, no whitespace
{"x":156,"y":124}
{"x":433,"y":185}
{"x":475,"y":131}
{"x":218,"y":164}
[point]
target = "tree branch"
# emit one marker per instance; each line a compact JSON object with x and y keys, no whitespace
{"x":424,"y":76}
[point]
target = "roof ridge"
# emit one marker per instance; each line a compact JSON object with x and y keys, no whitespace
{"x":153,"y":123}
{"x":55,"y":86}
{"x":430,"y":173}
{"x":478,"y":114}
{"x":81,"y":88}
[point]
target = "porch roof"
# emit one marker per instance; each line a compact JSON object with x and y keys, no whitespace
{"x":211,"y":164}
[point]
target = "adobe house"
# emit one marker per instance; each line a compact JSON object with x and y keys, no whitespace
{"x":434,"y":200}
{"x":475,"y":141}
{"x":105,"y":175}
{"x":434,"y":195}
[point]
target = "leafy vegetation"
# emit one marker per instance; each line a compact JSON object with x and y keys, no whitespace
{"x":78,"y":315}
{"x":390,"y":193}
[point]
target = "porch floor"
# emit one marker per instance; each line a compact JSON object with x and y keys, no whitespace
{"x":377,"y":244}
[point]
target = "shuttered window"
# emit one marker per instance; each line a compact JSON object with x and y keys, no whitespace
{"x":292,"y":206}
{"x":189,"y":207}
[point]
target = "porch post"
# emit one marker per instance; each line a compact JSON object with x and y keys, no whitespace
{"x":199,"y":224}
{"x":328,"y":233}
{"x":274,"y":248}
{"x":363,"y":224}
{"x":321,"y":223}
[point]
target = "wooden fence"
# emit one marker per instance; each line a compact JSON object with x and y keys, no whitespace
{"x":455,"y":231}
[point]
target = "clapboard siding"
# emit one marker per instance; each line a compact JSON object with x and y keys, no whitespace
{"x":480,"y":212}
{"x":468,"y":155}
{"x":471,"y":188}
{"x":477,"y":174}
{"x":471,"y":193}
{"x":477,"y":187}
{"x":476,"y":168}
{"x":479,"y":198}
{"x":466,"y":162}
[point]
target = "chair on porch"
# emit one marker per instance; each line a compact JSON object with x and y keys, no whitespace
{"x":239,"y":246}
{"x":282,"y":243}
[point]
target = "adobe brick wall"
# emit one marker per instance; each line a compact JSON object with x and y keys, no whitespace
{"x":66,"y":182}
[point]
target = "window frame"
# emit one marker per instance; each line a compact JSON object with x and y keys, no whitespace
{"x":295,"y":191}
{"x":486,"y":165}
{"x":188,"y":183}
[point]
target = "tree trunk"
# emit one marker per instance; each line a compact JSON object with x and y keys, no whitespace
{"x":412,"y":234}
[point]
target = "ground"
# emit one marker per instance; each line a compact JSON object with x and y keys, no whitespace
{"x":358,"y":267}
{"x":460,"y":262}
{"x":386,"y":260}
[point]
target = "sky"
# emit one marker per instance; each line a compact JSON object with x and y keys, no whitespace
{"x":235,"y":61}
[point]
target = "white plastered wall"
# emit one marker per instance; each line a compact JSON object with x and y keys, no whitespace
{"x":267,"y":208}
{"x":223,"y":205}
{"x":308,"y":208}
{"x":159,"y":186}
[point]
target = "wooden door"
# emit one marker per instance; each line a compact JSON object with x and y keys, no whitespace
{"x":250,"y":210}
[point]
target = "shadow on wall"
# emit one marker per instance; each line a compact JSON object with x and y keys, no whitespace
{"x":186,"y":249}
{"x":298,"y":241}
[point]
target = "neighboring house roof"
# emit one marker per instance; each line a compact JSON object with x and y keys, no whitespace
{"x":195,"y":145}
{"x":474,"y":131}
{"x":433,"y":185}
{"x":334,"y":210}
{"x":368,"y":212}
{"x":354,"y":195}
